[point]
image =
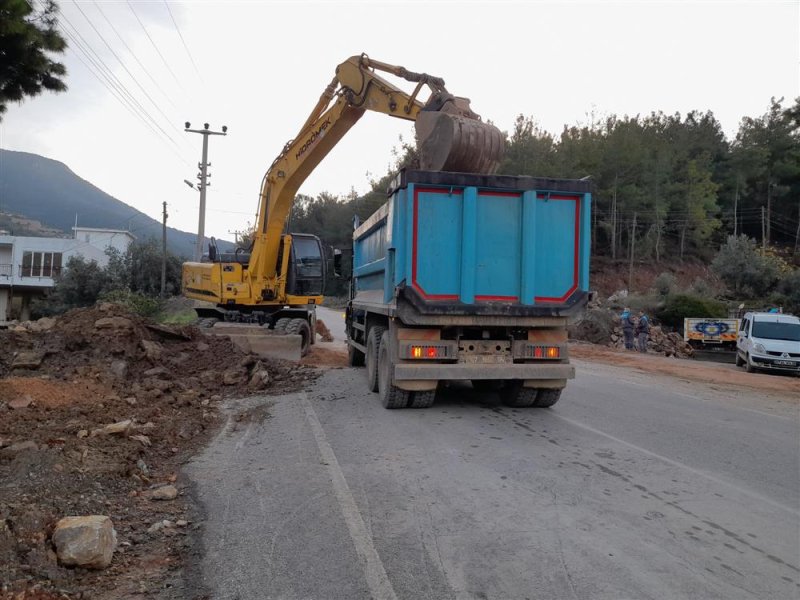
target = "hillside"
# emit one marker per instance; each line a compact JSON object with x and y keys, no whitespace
{"x":49,"y":192}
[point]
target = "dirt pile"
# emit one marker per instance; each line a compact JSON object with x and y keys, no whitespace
{"x":98,"y":408}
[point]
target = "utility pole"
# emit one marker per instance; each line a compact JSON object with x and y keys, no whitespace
{"x":769,"y":208}
{"x":633,"y":249}
{"x":203,"y":176}
{"x":797,"y":235}
{"x":763,"y":231}
{"x":736,"y":209}
{"x":164,"y":250}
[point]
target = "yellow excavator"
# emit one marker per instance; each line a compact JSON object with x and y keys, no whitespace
{"x":279,"y":280}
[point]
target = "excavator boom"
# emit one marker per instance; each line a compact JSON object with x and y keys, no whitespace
{"x":450,"y":137}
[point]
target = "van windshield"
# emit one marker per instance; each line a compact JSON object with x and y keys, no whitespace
{"x":776,"y":331}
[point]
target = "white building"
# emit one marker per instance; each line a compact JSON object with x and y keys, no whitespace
{"x":30,"y":265}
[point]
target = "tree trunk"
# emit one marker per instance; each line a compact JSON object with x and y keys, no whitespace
{"x":614,"y":219}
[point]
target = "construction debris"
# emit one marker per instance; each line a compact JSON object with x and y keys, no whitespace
{"x":98,"y":408}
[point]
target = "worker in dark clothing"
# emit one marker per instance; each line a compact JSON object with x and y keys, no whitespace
{"x":627,"y":328}
{"x":642,"y":331}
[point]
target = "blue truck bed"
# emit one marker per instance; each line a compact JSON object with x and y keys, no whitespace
{"x":469,"y":277}
{"x":450,"y":243}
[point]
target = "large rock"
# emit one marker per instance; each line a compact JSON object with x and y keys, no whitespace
{"x":119,"y":368}
{"x":113,"y":323}
{"x":152,"y":350}
{"x":121,"y":427}
{"x":27,"y":360}
{"x":17,"y":448}
{"x":165,"y":492}
{"x":87,"y":542}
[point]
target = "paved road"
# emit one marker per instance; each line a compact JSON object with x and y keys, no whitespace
{"x":631,"y":487}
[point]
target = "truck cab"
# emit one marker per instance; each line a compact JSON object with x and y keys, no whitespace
{"x":769,"y":341}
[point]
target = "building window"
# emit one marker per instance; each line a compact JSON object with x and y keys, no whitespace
{"x":40,"y":264}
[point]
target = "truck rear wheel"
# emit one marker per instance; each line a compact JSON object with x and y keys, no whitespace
{"x":422,"y":399}
{"x":374,"y":338}
{"x":355,"y":357}
{"x":547,"y":397}
{"x":391,"y":395}
{"x":516,"y":396}
{"x":300,"y":327}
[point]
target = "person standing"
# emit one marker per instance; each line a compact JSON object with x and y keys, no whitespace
{"x":642,"y":331}
{"x":627,"y":328}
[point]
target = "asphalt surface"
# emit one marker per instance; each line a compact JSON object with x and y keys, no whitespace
{"x":631,"y":487}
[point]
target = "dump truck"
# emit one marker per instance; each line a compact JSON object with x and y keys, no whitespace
{"x":469,"y":277}
{"x":279,"y":279}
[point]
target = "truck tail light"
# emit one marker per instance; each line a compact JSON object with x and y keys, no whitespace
{"x":543,"y":352}
{"x":428,"y":351}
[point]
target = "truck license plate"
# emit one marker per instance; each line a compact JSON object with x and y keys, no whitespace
{"x":785,"y":363}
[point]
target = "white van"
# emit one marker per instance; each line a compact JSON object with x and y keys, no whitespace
{"x":769,"y":341}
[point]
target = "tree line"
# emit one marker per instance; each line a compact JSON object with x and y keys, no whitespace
{"x":663,"y":185}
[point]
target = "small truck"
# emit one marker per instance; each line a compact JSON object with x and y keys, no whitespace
{"x":711,"y":334}
{"x":469,"y":277}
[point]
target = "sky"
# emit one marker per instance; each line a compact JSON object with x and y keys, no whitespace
{"x":259,"y":66}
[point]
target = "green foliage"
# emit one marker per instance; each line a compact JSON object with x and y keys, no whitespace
{"x":746,"y":272}
{"x":679,"y":306}
{"x":137,"y":302}
{"x":132,"y":279}
{"x":789,"y":288}
{"x":665,"y":284}
{"x":80,"y":284}
{"x":27,"y":37}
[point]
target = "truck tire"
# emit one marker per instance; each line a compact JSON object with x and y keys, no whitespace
{"x":739,"y":361}
{"x":422,"y":399}
{"x":547,"y":397}
{"x":280,"y":325}
{"x":355,"y":357}
{"x":300,"y":327}
{"x":391,"y":396}
{"x":516,"y":396}
{"x":373,"y":349}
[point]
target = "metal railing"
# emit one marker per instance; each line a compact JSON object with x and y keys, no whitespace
{"x":6,"y":270}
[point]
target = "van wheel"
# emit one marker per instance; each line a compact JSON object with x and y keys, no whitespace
{"x":739,"y":361}
{"x":391,"y":395}
{"x":373,"y":348}
{"x":748,"y":365}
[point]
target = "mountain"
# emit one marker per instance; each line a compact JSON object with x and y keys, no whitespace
{"x":48,"y":191}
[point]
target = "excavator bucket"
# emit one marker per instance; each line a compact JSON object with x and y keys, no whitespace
{"x":455,"y":139}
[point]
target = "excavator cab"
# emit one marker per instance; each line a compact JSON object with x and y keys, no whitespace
{"x":307,"y":268}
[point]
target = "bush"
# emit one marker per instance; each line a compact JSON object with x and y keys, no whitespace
{"x":664,"y":284}
{"x":745,"y":271}
{"x":141,"y":304}
{"x":789,"y":288}
{"x":680,"y":306}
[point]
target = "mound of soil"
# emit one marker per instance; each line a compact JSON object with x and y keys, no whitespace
{"x":62,"y":382}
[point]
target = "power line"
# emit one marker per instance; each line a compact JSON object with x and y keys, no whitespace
{"x":133,"y":54}
{"x":164,"y":60}
{"x":136,"y":81}
{"x":191,"y":58}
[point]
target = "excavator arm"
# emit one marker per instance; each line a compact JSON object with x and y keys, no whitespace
{"x":450,"y":137}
